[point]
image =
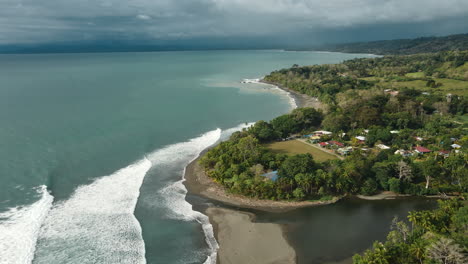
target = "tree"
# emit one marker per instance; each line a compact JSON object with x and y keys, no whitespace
{"x":299,"y":193}
{"x":293,"y":165}
{"x":404,"y":171}
{"x":304,"y":180}
{"x":394,"y":185}
{"x":263,"y":131}
{"x":418,"y":250}
{"x":429,"y":168}
{"x":401,"y":228}
{"x":248,"y":148}
{"x":455,"y":167}
{"x":369,"y":187}
{"x":446,"y":251}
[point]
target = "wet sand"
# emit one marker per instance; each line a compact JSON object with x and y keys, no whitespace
{"x":302,"y":100}
{"x":241,"y":240}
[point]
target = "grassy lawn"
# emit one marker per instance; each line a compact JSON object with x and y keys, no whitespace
{"x":296,"y":147}
{"x":416,"y":75}
{"x":448,"y":86}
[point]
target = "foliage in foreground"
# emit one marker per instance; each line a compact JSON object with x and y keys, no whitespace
{"x":432,"y":237}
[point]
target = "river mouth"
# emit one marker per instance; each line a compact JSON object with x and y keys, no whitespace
{"x":332,"y":234}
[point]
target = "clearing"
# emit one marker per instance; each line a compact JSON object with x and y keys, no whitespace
{"x":293,"y":147}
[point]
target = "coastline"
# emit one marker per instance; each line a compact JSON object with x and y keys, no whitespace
{"x":242,"y":240}
{"x":251,"y":242}
{"x":302,"y":100}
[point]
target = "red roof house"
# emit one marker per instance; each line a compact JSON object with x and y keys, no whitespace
{"x":323,"y":144}
{"x":336,"y":143}
{"x":422,"y":150}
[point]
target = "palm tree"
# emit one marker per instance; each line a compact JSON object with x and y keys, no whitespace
{"x":413,"y":218}
{"x":418,"y":250}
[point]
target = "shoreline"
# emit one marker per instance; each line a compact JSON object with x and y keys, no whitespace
{"x":302,"y":100}
{"x":232,"y":246}
{"x":242,"y":240}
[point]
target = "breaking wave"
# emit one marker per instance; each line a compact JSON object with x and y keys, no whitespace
{"x":19,"y":229}
{"x":96,"y":224}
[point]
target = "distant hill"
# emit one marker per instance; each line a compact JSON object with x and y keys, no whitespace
{"x":403,"y":46}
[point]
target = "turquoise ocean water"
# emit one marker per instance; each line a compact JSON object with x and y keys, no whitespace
{"x":93,"y":148}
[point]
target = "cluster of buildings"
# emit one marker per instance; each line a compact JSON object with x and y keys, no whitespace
{"x":419,"y":150}
{"x":321,"y":137}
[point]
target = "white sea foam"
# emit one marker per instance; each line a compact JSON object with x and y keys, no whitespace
{"x":292,"y":100}
{"x":174,"y":194}
{"x":228,"y":132}
{"x":96,"y":224}
{"x":19,"y":229}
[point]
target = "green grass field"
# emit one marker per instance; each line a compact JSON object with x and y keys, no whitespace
{"x":296,"y":147}
{"x":416,"y":75}
{"x":448,"y":86}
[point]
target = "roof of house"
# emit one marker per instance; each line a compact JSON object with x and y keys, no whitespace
{"x":271,"y":175}
{"x":382,"y":146}
{"x":333,"y":142}
{"x":323,"y":144}
{"x":323,"y":132}
{"x":455,"y":146}
{"x":444,"y":152}
{"x":361,"y":138}
{"x":422,"y":149}
{"x":402,"y":151}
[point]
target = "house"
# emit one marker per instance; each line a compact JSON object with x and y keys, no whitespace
{"x":404,"y":153}
{"x":444,"y":153}
{"x":394,"y":132}
{"x":361,"y":139}
{"x":335,"y":143}
{"x":422,"y":150}
{"x":314,"y":139}
{"x":382,"y":146}
{"x":344,"y":151}
{"x":271,"y":175}
{"x":455,"y":146}
{"x":391,"y":92}
{"x":323,"y":144}
{"x":419,"y":138}
{"x":321,"y":132}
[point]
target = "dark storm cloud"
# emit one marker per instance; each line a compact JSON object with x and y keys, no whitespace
{"x":32,"y":21}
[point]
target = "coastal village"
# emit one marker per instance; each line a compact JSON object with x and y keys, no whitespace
{"x":343,"y":145}
{"x":326,"y":145}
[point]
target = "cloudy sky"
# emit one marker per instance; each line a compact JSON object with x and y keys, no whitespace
{"x":273,"y":21}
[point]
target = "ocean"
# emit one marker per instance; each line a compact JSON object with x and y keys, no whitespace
{"x":93,"y":148}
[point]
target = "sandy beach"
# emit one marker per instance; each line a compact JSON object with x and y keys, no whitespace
{"x":241,"y":240}
{"x":302,"y":100}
